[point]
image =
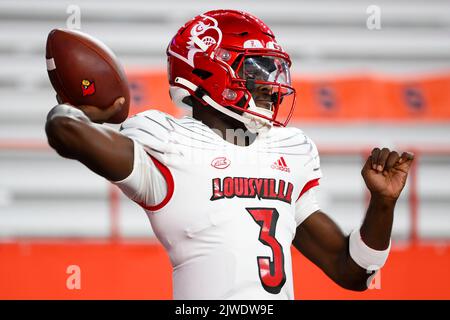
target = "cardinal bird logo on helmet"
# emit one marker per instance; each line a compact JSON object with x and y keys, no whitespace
{"x":87,"y":87}
{"x":203,"y":35}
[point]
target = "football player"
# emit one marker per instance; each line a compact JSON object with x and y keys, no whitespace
{"x":230,"y":189}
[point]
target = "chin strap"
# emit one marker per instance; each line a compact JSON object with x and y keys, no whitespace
{"x":210,"y":101}
{"x":257,"y":124}
{"x":253,"y":123}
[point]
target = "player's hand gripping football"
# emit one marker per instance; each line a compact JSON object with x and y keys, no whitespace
{"x":99,"y":115}
{"x":385,"y":173}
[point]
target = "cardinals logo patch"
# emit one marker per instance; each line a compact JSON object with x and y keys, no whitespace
{"x":87,"y":87}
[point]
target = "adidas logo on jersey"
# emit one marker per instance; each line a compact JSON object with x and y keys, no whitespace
{"x":280,"y":164}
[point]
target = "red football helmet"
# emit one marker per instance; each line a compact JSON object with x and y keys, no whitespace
{"x":224,"y":58}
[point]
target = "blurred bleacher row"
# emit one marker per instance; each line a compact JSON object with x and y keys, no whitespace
{"x":42,"y":195}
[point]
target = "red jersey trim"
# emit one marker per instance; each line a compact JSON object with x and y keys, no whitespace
{"x":309,"y":185}
{"x":170,"y":185}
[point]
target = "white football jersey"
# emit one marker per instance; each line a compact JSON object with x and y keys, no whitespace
{"x":226,"y":214}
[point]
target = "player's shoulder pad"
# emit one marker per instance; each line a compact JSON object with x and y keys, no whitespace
{"x":148,"y":118}
{"x":312,"y":164}
{"x":151,"y":128}
{"x":291,"y":138}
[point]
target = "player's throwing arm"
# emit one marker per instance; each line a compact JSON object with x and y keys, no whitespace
{"x":71,"y":132}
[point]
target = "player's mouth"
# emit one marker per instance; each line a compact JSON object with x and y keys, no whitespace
{"x":263,"y":103}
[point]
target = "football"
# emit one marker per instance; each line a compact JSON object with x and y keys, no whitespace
{"x":84,"y":71}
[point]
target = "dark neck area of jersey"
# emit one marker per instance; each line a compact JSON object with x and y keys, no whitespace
{"x":216,"y":120}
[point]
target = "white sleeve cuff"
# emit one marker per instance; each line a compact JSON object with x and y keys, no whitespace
{"x":366,"y":257}
{"x":145,"y":184}
{"x":305,"y":206}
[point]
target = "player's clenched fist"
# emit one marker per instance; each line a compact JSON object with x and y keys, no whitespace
{"x":385,"y":172}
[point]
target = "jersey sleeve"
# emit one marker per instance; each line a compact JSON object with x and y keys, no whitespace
{"x":305,"y":206}
{"x":150,"y":182}
{"x":306,"y":203}
{"x":164,"y":142}
{"x":152,"y":129}
{"x":145,"y":185}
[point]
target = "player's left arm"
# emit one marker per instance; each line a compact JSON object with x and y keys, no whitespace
{"x":321,"y":240}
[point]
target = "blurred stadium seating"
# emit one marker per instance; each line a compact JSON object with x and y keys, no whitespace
{"x":356,"y":89}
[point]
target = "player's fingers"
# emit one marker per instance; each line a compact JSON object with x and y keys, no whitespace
{"x":117,"y":105}
{"x":374,"y":157}
{"x":382,"y":157}
{"x":405,"y":162}
{"x":407,"y":157}
{"x":111,"y":109}
{"x":391,"y":160}
{"x":119,"y":101}
{"x":98,"y":114}
{"x":367,"y":164}
{"x":86,"y":109}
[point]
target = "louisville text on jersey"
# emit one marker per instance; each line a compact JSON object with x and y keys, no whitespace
{"x":263,"y":188}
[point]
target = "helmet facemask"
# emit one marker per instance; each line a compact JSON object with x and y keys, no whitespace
{"x":267,"y":80}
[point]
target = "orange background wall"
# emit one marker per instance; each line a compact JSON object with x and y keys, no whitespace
{"x":32,"y":270}
{"x":365,"y":97}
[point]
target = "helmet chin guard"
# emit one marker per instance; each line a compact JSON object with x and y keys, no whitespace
{"x":231,"y":61}
{"x":177,"y":95}
{"x":257,"y":124}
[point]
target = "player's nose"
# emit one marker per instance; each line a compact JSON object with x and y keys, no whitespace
{"x":262,"y":95}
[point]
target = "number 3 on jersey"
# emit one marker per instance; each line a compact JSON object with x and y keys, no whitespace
{"x":271,"y":272}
